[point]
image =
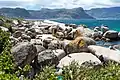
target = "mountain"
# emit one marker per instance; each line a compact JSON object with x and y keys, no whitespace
{"x":75,"y":13}
{"x":44,"y":13}
{"x":105,"y":13}
{"x":15,"y":12}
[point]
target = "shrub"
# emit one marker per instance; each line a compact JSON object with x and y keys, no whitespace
{"x":111,"y":71}
{"x":6,"y":59}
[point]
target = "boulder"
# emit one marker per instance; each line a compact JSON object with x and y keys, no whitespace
{"x":59,"y":53}
{"x":4,"y":29}
{"x":38,"y":31}
{"x":31,"y":34}
{"x":116,"y":47}
{"x":79,"y":45}
{"x":14,"y":41}
{"x":111,"y":34}
{"x":104,"y":28}
{"x":73,"y":25}
{"x":96,"y":29}
{"x":21,"y":29}
{"x":39,"y":48}
{"x":78,"y":32}
{"x":25,"y":37}
{"x":55,"y":44}
{"x":97,"y":34}
{"x":52,"y":29}
{"x":17,"y":34}
{"x":15,"y":22}
{"x":45,"y":58}
{"x":87,"y":32}
{"x":36,"y":41}
{"x":80,"y":58}
{"x":119,"y":34}
{"x":46,"y":39}
{"x":24,"y":53}
{"x":107,"y":53}
{"x":59,"y":35}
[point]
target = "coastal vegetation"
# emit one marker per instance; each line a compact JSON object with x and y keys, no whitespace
{"x":10,"y":71}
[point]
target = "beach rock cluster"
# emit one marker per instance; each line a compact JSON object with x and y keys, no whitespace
{"x":104,"y":33}
{"x":45,"y":43}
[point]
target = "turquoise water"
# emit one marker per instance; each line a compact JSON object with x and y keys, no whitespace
{"x":112,"y":24}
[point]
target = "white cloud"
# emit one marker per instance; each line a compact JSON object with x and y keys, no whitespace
{"x":37,"y":4}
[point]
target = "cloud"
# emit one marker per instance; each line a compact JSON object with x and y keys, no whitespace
{"x":38,"y":4}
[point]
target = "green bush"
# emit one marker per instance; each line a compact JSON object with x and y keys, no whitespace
{"x":111,"y":71}
{"x":6,"y":59}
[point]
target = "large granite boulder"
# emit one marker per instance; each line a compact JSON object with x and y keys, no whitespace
{"x":79,"y":45}
{"x":107,"y":53}
{"x":24,"y":53}
{"x":111,"y":34}
{"x":80,"y":58}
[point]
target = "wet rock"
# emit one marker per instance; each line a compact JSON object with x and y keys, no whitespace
{"x":24,"y":53}
{"x":111,"y":34}
{"x":80,"y":58}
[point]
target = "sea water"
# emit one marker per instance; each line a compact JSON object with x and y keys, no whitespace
{"x":112,"y":24}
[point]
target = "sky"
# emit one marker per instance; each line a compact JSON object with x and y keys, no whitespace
{"x":52,"y":4}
